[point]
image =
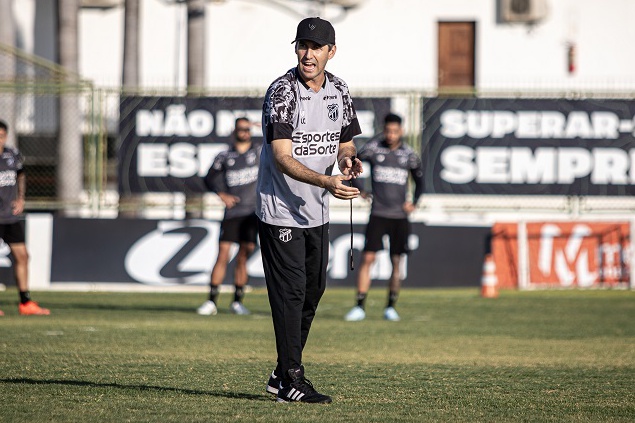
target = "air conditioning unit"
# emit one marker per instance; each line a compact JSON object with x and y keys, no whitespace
{"x":526,"y":11}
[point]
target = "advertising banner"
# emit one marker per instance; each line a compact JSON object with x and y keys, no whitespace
{"x":562,"y":254}
{"x":529,"y":146}
{"x":182,"y":252}
{"x":167,"y":144}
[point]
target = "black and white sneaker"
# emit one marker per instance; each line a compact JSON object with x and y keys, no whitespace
{"x":274,"y":384}
{"x":300,"y":389}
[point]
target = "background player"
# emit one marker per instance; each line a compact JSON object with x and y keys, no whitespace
{"x":391,"y":162}
{"x":233,"y":176}
{"x":12,"y":192}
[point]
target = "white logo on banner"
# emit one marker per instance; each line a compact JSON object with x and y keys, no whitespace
{"x":572,"y":252}
{"x":183,"y":252}
{"x":5,"y":260}
{"x":180,"y":252}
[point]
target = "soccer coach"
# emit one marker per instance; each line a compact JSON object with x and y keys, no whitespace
{"x":308,"y":123}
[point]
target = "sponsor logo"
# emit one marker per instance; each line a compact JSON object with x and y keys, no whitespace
{"x":315,"y":143}
{"x":305,"y":98}
{"x":285,"y":235}
{"x":178,"y":252}
{"x":381,"y":269}
{"x":329,"y":97}
{"x":5,"y":252}
{"x":334,"y":113}
{"x":8,"y":178}
{"x":390,"y":175}
{"x":579,"y":254}
{"x":567,"y":259}
{"x":242,"y":177}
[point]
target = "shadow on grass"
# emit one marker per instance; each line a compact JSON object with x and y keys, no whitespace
{"x":139,"y":307}
{"x":81,"y":383}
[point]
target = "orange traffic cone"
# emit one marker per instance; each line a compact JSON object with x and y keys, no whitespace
{"x":489,"y":280}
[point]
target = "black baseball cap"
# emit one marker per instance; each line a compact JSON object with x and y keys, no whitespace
{"x":316,"y":30}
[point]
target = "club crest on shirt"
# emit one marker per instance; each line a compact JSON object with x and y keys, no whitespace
{"x":285,"y":235}
{"x":334,"y":112}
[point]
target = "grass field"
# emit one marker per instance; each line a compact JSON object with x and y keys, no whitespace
{"x":526,"y":356}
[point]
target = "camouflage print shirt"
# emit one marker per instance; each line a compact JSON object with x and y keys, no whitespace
{"x":316,"y":123}
{"x":11,"y":164}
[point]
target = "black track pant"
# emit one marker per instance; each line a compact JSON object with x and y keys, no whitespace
{"x":294,"y":261}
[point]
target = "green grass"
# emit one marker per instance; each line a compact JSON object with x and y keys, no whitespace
{"x":548,"y":356}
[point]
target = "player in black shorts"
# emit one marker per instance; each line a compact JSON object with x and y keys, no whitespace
{"x":391,"y":163}
{"x":12,"y":190}
{"x":233,"y":177}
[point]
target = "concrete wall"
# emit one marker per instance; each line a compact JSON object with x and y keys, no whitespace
{"x":382,"y":44}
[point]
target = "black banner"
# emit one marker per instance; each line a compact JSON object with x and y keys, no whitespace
{"x":529,"y":146}
{"x":167,"y":144}
{"x":182,"y":252}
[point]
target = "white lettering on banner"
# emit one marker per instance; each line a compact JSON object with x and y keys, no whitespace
{"x":526,"y":124}
{"x":381,"y":269}
{"x":545,"y":165}
{"x":226,"y":120}
{"x":561,"y":261}
{"x":181,"y":160}
{"x":174,"y":122}
{"x":154,"y":254}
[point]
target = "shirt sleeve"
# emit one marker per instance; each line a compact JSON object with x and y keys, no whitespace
{"x":350,"y":131}
{"x":279,"y":110}
{"x":416,"y":170}
{"x":214,"y":180}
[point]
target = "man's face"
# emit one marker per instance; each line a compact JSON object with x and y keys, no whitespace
{"x":312,"y":58}
{"x":242,"y":132}
{"x":392,"y":133}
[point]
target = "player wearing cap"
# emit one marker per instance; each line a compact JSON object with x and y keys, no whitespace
{"x":391,"y":163}
{"x":308,"y":125}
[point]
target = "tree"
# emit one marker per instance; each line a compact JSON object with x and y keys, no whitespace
{"x":195,"y":45}
{"x":130,"y":75}
{"x":7,"y":69}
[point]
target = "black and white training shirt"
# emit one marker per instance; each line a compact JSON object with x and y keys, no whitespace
{"x":11,"y":164}
{"x":237,"y":175}
{"x":389,"y":177}
{"x":316,"y":123}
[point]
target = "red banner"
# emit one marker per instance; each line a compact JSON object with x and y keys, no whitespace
{"x":562,"y":254}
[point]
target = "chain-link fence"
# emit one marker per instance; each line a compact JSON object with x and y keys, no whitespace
{"x":70,"y":135}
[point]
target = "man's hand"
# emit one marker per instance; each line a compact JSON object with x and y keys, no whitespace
{"x":408,"y":207}
{"x":18,"y":206}
{"x":229,"y":200}
{"x":350,"y":166}
{"x":336,"y":186}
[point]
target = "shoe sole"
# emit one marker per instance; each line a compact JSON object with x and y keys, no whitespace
{"x":282,"y":400}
